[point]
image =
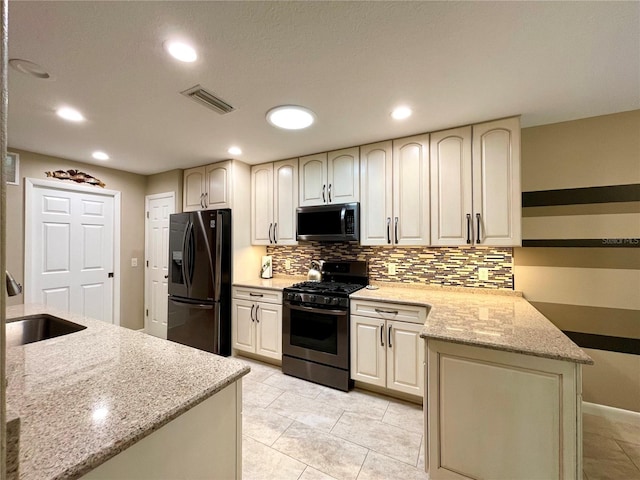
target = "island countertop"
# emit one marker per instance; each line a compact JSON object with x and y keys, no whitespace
{"x":496,"y":319}
{"x":83,"y":398}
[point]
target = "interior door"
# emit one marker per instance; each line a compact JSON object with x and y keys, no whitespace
{"x":70,"y":250}
{"x":159,"y":207}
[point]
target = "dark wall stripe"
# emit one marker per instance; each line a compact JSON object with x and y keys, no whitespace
{"x":583,"y":209}
{"x":585,"y":243}
{"x":603,"y":342}
{"x":616,"y":258}
{"x":573,"y":196}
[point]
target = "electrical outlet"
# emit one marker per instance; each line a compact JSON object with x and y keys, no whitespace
{"x":287,"y":264}
{"x":134,"y":262}
{"x":392,"y":268}
{"x":483,"y":273}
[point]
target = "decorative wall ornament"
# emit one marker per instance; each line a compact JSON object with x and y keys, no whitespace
{"x":76,"y":176}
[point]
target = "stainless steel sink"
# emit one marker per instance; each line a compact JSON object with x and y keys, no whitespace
{"x":35,"y":328}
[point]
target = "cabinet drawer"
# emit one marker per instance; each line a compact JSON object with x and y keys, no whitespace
{"x":257,"y":294}
{"x":389,"y":311}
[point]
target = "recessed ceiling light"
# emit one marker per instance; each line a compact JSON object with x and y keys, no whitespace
{"x":100,"y":155}
{"x":70,"y":114}
{"x":29,"y":68}
{"x":181,"y":51}
{"x":234,"y":151}
{"x":290,"y":117}
{"x":401,"y":113}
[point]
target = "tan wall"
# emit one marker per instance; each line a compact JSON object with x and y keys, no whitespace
{"x":166,"y":182}
{"x":132,"y":186}
{"x":586,"y":290}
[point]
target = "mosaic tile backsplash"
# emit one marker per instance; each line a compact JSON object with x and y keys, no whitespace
{"x":451,"y":266}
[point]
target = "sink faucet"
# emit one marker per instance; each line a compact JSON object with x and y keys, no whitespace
{"x":13,"y":287}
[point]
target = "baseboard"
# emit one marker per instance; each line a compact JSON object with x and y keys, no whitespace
{"x":611,"y":413}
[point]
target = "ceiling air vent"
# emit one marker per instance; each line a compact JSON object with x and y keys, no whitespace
{"x":208,"y":99}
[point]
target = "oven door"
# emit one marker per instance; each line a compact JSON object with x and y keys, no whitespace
{"x":316,"y":334}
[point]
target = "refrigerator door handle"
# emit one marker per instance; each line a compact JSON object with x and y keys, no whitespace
{"x":217,"y":281}
{"x":187,"y":260}
{"x":184,"y":255}
{"x":199,"y":306}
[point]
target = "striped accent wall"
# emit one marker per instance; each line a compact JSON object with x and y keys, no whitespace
{"x":579,"y":264}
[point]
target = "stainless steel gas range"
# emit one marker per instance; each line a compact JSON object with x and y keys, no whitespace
{"x":315,"y":325}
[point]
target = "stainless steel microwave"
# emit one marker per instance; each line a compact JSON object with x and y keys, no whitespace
{"x":329,"y":223}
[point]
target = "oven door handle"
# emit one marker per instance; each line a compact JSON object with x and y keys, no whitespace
{"x":317,"y":310}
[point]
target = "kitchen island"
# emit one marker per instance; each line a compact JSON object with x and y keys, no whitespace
{"x":107,"y":400}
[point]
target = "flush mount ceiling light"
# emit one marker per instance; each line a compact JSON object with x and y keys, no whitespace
{"x":290,"y":117}
{"x":70,"y":114}
{"x":29,"y":68}
{"x":181,"y":51}
{"x":235,"y":151}
{"x":401,"y":113}
{"x":98,"y":155}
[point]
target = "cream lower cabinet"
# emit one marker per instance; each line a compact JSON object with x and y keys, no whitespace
{"x":384,"y":352}
{"x":257,"y":322}
{"x":496,"y":414}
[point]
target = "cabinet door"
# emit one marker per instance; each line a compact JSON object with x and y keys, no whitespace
{"x":313,"y":180}
{"x":368,"y":350}
{"x":194,"y":187}
{"x":376,"y":197}
{"x":285,"y":201}
{"x":269,"y":330}
{"x":451,"y":215}
{"x":242,"y":325}
{"x":343,"y":176}
{"x":262,"y":204}
{"x":405,"y":358}
{"x":410,"y":222}
{"x":496,"y":182}
{"x":218,"y":192}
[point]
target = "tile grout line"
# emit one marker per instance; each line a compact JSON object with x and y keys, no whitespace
{"x":363,"y":462}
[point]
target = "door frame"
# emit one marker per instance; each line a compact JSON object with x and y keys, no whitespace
{"x":147,"y":294}
{"x":30,"y":184}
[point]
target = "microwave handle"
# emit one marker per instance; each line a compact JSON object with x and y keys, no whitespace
{"x":343,"y":223}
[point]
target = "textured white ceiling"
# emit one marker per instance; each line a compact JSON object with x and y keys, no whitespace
{"x":350,"y":62}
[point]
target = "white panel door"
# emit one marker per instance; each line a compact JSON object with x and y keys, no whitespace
{"x":194,"y":188}
{"x":158,"y":208}
{"x":218,"y":185}
{"x":262,"y":204}
{"x":71,"y":251}
{"x":285,"y":201}
{"x":343,"y":176}
{"x":312,"y":184}
{"x":451,"y":214}
{"x":368,"y":350}
{"x":411,"y":190}
{"x":496,"y":182}
{"x":376,"y":195}
{"x":242,"y":325}
{"x":405,"y":357}
{"x":269,"y":330}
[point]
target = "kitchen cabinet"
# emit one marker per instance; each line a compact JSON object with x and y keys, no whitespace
{"x":257,"y":322}
{"x":395,"y":192}
{"x":274,"y":198}
{"x":386,"y":348}
{"x":208,"y":187}
{"x":475,"y":185}
{"x":332,"y":177}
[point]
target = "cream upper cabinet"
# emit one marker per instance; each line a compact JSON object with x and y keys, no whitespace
{"x":207,"y":187}
{"x":274,"y":196}
{"x":497,"y":193}
{"x":332,"y":177}
{"x":451,"y":187}
{"x":376,"y":193}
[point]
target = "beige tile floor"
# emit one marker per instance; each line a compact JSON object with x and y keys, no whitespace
{"x":298,"y":430}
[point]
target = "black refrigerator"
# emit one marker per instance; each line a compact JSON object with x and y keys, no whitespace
{"x":200,"y":280}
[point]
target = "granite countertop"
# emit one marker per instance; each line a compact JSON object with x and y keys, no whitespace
{"x":83,"y":398}
{"x":498,"y":319}
{"x":275,"y":283}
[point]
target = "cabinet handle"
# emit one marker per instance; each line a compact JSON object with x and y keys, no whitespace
{"x":396,"y":229}
{"x":202,"y":200}
{"x":206,"y":201}
{"x":389,"y":230}
{"x":275,"y":232}
{"x":393,"y":312}
{"x":381,"y":335}
{"x":252,"y":307}
{"x":251,"y":294}
{"x":329,"y":193}
{"x":478,"y":231}
{"x":390,"y":337}
{"x":258,"y":320}
{"x":468,"y":228}
{"x":323,"y":197}
{"x":270,"y":226}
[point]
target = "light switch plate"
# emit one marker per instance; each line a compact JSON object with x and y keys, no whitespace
{"x":134,"y":262}
{"x":287,"y":264}
{"x":392,"y":268}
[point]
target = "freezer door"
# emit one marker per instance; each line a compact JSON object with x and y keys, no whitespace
{"x":178,"y":228}
{"x":196,"y":325}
